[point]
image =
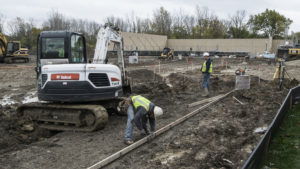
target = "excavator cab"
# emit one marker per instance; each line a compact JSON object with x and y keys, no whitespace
{"x":12,"y":47}
{"x":59,"y":47}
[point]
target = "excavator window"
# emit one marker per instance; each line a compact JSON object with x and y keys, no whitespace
{"x":12,"y":47}
{"x":77,"y":52}
{"x":53,"y":48}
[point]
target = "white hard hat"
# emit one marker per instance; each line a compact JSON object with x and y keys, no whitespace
{"x":205,"y":54}
{"x":157,"y":111}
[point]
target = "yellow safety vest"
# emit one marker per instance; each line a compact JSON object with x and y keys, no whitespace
{"x":204,"y":67}
{"x":140,"y":101}
{"x":61,"y":52}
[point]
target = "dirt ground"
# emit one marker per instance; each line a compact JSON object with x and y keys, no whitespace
{"x":221,"y":136}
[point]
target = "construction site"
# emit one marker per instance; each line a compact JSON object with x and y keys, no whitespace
{"x":221,"y":130}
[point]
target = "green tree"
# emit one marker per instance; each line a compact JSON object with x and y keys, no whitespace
{"x":270,"y":22}
{"x":179,"y":32}
{"x":297,"y":34}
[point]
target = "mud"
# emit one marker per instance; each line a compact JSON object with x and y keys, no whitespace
{"x":220,"y":136}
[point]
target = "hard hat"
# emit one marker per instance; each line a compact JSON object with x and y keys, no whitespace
{"x":157,"y":111}
{"x":205,"y":54}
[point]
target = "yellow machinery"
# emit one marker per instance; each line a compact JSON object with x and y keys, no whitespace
{"x":289,"y":51}
{"x":11,"y":51}
{"x":167,"y":54}
{"x":295,"y":52}
{"x":3,"y":44}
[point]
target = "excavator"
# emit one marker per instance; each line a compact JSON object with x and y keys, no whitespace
{"x":76,"y":95}
{"x":11,"y":51}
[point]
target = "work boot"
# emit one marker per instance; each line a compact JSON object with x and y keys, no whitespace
{"x":128,"y":142}
{"x":205,"y":92}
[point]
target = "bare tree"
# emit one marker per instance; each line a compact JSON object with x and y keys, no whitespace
{"x":189,"y":22}
{"x":238,"y":24}
{"x":22,"y":31}
{"x":56,"y":21}
{"x":179,"y":27}
{"x":162,"y":21}
{"x":146,"y":26}
{"x":119,"y":22}
{"x":203,"y":18}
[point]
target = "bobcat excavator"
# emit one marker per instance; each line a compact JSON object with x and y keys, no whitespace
{"x":11,"y":51}
{"x":76,"y":94}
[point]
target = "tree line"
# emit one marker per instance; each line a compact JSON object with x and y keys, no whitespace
{"x":203,"y":24}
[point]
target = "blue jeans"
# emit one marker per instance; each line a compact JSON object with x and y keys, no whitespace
{"x":130,"y":116}
{"x":140,"y":119}
{"x":137,"y":119}
{"x":205,"y":80}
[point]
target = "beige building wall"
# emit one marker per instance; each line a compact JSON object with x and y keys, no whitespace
{"x":143,"y":41}
{"x":149,"y":42}
{"x":225,"y":45}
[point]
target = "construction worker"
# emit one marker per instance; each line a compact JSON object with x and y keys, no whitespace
{"x":61,"y":52}
{"x":206,"y":71}
{"x":139,"y":111}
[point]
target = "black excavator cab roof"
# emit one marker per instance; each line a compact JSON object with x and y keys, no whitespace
{"x":57,"y":34}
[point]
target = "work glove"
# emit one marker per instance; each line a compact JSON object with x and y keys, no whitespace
{"x":123,"y":106}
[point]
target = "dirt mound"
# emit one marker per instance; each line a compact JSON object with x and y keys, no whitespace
{"x":16,"y":131}
{"x":144,"y":75}
{"x":152,"y":89}
{"x":184,"y":83}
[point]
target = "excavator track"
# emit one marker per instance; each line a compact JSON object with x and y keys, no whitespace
{"x":66,"y":117}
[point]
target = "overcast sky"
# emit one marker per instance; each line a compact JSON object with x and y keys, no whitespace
{"x":97,"y":10}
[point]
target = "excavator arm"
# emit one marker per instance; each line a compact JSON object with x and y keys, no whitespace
{"x":106,"y":35}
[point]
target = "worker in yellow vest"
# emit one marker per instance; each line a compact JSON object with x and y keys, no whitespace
{"x":139,"y":111}
{"x":206,"y":71}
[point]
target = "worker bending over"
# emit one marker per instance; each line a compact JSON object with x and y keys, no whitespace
{"x":206,"y":71}
{"x":139,"y":111}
